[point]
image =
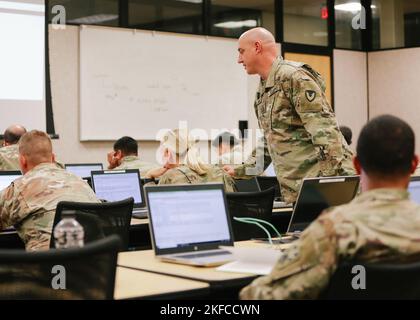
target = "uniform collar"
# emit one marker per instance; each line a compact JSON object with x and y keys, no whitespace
{"x":130,"y":158}
{"x":270,"y":81}
{"x":384,"y":194}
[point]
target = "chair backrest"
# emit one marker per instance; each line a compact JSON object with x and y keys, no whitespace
{"x":247,"y":185}
{"x":251,"y":205}
{"x":74,"y":273}
{"x":265,"y":183}
{"x":380,"y":280}
{"x":99,"y":220}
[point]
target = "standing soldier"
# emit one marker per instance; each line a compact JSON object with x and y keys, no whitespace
{"x":301,"y":133}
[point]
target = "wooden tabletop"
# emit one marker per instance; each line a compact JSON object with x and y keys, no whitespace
{"x":130,"y":284}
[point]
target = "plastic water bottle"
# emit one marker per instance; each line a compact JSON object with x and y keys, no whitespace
{"x":68,"y":233}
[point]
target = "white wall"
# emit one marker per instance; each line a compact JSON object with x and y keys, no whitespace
{"x":350,"y":90}
{"x":394,"y":85}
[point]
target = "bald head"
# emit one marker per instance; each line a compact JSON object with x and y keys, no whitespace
{"x":35,"y":148}
{"x":258,"y":34}
{"x":13,"y":134}
{"x":257,"y":51}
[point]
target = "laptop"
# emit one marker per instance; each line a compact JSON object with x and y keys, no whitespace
{"x":317,"y":194}
{"x":116,"y":185}
{"x":188,"y":223}
{"x":7,"y":177}
{"x":83,"y":170}
{"x":247,"y":185}
{"x":414,"y":189}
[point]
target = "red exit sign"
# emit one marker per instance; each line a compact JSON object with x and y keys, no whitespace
{"x":324,"y":12}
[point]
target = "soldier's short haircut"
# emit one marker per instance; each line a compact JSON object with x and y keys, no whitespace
{"x":127,"y":145}
{"x":346,"y":131}
{"x":225,"y":137}
{"x":36,"y":146}
{"x":386,"y":146}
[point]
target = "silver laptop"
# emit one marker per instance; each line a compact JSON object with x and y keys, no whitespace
{"x":83,"y":170}
{"x":188,"y":223}
{"x":317,"y":194}
{"x":414,"y":189}
{"x":116,"y":185}
{"x":7,"y":177}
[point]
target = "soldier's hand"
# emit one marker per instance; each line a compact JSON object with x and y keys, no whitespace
{"x":112,"y":160}
{"x":156,"y":173}
{"x":229,"y":170}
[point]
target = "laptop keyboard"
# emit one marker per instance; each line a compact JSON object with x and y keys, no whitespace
{"x":204,"y":254}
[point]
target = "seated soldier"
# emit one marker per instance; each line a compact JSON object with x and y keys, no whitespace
{"x":182,"y":164}
{"x":229,"y":150}
{"x":125,"y":156}
{"x":29,"y":203}
{"x":9,"y":153}
{"x":382,"y":223}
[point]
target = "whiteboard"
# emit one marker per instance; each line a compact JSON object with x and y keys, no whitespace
{"x":139,"y":82}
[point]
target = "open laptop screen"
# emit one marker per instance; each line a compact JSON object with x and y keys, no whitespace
{"x":185,"y":218}
{"x":83,"y":170}
{"x":414,"y":189}
{"x":7,"y":177}
{"x":318,"y":194}
{"x":117,"y":185}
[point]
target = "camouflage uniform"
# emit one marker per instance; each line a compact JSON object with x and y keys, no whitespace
{"x":381,"y":224}
{"x":133,"y":162}
{"x":301,"y":133}
{"x":9,"y":157}
{"x":184,"y":175}
{"x":29,"y":203}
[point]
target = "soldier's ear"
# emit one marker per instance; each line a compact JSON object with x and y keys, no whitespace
{"x":414,"y":163}
{"x":356,"y":165}
{"x":23,"y":163}
{"x":53,"y":157}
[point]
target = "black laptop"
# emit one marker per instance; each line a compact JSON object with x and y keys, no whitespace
{"x":116,"y":185}
{"x":317,"y":194}
{"x":83,"y":170}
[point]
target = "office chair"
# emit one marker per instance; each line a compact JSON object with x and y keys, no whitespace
{"x":382,"y":281}
{"x":257,"y":205}
{"x":99,"y":219}
{"x":265,"y":183}
{"x":78,"y":273}
{"x":247,"y":185}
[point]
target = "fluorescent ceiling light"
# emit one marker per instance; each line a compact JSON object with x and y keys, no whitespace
{"x":97,"y":18}
{"x":237,"y":24}
{"x":22,"y":6}
{"x":191,"y":1}
{"x":350,"y":7}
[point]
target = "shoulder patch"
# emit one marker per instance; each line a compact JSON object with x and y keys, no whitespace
{"x":310,"y":95}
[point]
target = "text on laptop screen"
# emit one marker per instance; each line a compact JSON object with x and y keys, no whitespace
{"x":414,"y":189}
{"x":182,"y":218}
{"x":117,"y":186}
{"x":83,"y":171}
{"x":6,"y":180}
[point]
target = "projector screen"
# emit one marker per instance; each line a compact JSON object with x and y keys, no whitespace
{"x":22,"y":64}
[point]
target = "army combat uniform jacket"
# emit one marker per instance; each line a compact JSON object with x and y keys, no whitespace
{"x":9,"y":157}
{"x":184,"y":175}
{"x":133,"y":162}
{"x":29,"y":203}
{"x":378,"y":225}
{"x":301,"y":134}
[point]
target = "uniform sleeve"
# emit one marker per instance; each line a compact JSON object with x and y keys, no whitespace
{"x":303,"y":271}
{"x":317,"y":117}
{"x":251,"y":166}
{"x":13,"y":207}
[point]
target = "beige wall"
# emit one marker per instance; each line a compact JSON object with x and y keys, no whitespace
{"x":394,"y":85}
{"x":350,"y":90}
